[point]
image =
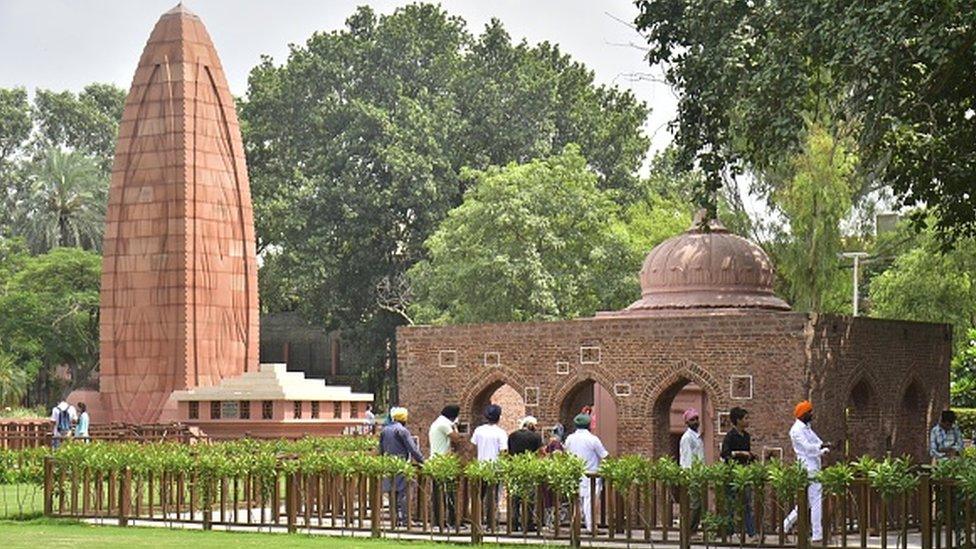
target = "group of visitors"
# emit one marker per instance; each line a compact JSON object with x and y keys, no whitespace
{"x":945,"y":442}
{"x":69,"y":422}
{"x":737,"y":447}
{"x":491,"y":441}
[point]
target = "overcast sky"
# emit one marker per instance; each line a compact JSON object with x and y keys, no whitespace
{"x":66,"y":44}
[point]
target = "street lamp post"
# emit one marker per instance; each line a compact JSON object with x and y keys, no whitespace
{"x":857,"y":257}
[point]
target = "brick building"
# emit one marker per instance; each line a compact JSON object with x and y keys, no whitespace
{"x":708,"y":327}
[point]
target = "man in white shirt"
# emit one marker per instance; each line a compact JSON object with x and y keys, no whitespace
{"x":808,"y":449}
{"x":588,"y":447}
{"x":443,"y":432}
{"x":691,"y":451}
{"x":370,"y":420}
{"x":491,"y":440}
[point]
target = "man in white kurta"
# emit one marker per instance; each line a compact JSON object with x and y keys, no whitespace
{"x":808,"y":449}
{"x":691,"y":450}
{"x":588,"y":447}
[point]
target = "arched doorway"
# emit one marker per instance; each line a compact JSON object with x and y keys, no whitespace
{"x":861,"y":422}
{"x":910,"y":431}
{"x":591,"y":393}
{"x":504,"y":395}
{"x":668,"y":420}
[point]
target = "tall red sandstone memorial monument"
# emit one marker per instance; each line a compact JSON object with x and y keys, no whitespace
{"x":179,"y":300}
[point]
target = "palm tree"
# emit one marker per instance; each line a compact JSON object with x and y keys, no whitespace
{"x":63,"y":203}
{"x":13,"y":381}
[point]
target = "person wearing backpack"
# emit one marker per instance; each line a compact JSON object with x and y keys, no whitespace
{"x":61,"y":416}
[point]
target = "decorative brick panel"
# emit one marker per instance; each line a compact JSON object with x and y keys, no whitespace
{"x":740,"y":387}
{"x":447,"y":359}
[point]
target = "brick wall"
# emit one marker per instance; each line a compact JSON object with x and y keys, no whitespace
{"x":765,"y":362}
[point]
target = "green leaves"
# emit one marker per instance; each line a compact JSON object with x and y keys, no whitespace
{"x":897,"y":75}
{"x":891,"y":477}
{"x":48,"y":318}
{"x":534,"y":241}
{"x":836,"y":479}
{"x":787,"y":479}
{"x":443,"y":468}
{"x":626,"y":471}
{"x":563,"y":474}
{"x":523,"y":473}
{"x":356,"y":146}
{"x":484,"y":471}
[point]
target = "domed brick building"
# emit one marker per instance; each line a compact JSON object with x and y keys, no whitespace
{"x":708,"y":331}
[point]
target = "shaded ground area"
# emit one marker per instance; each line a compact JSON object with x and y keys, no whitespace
{"x":70,"y":534}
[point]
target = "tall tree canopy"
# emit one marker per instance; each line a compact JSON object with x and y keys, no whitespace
{"x":536,"y":241}
{"x":56,"y":155}
{"x":356,"y":145}
{"x":814,"y":202}
{"x":901,"y":77}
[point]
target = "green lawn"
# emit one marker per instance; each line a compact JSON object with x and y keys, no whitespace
{"x":70,"y":534}
{"x":21,"y":501}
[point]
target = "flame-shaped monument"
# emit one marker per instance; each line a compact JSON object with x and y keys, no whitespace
{"x":179,"y":299}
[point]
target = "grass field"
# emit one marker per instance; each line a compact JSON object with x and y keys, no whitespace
{"x":61,"y":533}
{"x":21,"y":501}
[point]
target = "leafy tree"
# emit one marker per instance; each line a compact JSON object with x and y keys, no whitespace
{"x":13,"y":381}
{"x":87,"y":123}
{"x":56,"y":155}
{"x":535,"y":241}
{"x":15,"y":128}
{"x":925,"y":282}
{"x":49,"y":318}
{"x":963,"y":388}
{"x":814,"y":202}
{"x":899,"y":75}
{"x":63,"y":203}
{"x":15,"y":122}
{"x":356,"y":145}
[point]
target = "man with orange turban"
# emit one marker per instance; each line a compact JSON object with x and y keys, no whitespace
{"x":808,"y":449}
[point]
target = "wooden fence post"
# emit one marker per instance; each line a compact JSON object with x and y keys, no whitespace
{"x":684,"y":517}
{"x":803,"y":519}
{"x":474,"y":492}
{"x":125,"y":496}
{"x":376,"y":504}
{"x":48,"y":486}
{"x":291,"y":500}
{"x":574,"y":530}
{"x":925,"y":509}
{"x":206,"y":501}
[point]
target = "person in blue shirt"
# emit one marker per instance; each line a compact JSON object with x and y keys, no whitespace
{"x":396,"y":440}
{"x":81,"y":430}
{"x":945,"y":439}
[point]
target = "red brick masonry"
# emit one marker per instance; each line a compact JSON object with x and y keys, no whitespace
{"x":876,"y":383}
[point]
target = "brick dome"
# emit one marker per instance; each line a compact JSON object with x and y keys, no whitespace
{"x":706,"y":269}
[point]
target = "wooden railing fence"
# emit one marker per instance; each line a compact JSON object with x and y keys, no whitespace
{"x":931,"y":516}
